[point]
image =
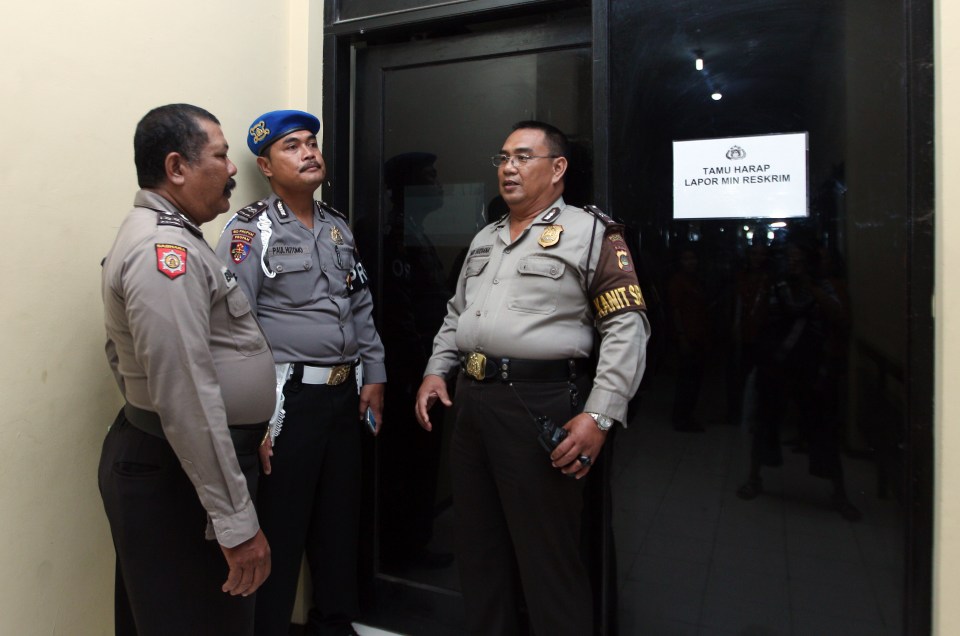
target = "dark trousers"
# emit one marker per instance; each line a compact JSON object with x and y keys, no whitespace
{"x":311,"y":502}
{"x":518,"y":519}
{"x":169,"y":577}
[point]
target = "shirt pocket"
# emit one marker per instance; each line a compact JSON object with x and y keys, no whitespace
{"x":293,"y":286}
{"x":536,"y":289}
{"x":471,"y":277}
{"x":244,"y":329}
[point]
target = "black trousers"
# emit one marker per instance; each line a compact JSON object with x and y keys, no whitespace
{"x":311,"y":502}
{"x":168,"y":575}
{"x":518,"y":519}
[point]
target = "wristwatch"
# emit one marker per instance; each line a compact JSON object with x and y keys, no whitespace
{"x":604,"y":423}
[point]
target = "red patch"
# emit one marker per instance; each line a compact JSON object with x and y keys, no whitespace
{"x":171,"y":260}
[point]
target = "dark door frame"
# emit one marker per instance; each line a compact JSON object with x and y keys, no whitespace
{"x":918,"y":15}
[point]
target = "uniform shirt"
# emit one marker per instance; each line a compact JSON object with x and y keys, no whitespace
{"x":544,"y":296}
{"x":182,"y":342}
{"x":317,"y":307}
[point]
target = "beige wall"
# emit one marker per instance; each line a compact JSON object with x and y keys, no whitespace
{"x":76,"y":78}
{"x":946,"y":553}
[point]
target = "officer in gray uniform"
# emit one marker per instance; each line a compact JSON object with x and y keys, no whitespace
{"x":178,"y":470}
{"x":544,"y":291}
{"x":297,"y":262}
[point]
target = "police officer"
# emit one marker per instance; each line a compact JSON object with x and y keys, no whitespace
{"x":296,"y":260}
{"x":179,"y":465}
{"x":536,"y":287}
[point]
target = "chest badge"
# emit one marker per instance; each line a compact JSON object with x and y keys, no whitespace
{"x":550,"y":236}
{"x":336,"y":236}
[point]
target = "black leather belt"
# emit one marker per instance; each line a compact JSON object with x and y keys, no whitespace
{"x":484,"y":369}
{"x":245,"y":436}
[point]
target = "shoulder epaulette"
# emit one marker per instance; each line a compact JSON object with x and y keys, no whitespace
{"x":168,"y":218}
{"x":323,"y":205}
{"x":605,"y":218}
{"x":252,"y":211}
{"x":177,"y":220}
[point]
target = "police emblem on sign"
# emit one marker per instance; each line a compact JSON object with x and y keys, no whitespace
{"x":171,"y":260}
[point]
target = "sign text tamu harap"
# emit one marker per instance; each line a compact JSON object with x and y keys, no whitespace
{"x":764,"y":176}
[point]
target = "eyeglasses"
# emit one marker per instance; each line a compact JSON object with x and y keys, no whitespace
{"x":517,"y":160}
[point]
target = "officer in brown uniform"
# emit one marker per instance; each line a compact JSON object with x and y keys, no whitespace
{"x":179,"y":465}
{"x":536,"y":289}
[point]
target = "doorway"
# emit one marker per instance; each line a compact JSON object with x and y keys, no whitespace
{"x":696,"y":552}
{"x":429,"y":116}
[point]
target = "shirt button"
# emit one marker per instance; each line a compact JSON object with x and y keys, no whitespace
{"x":496,"y":281}
{"x":478,"y":313}
{"x":553,"y":270}
{"x":306,"y":264}
{"x":279,"y":268}
{"x":324,"y":268}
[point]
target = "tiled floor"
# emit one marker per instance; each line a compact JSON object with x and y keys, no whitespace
{"x":694,"y":559}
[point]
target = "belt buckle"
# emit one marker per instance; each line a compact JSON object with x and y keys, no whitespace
{"x":338,"y":374}
{"x":476,"y":366}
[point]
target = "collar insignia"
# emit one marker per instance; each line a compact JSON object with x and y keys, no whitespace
{"x":551,"y":216}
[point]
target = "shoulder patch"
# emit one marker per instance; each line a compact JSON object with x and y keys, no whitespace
{"x":326,"y":207}
{"x":240,"y":239}
{"x":171,"y":260}
{"x":252,"y":211}
{"x":620,"y":249}
{"x":605,"y":218}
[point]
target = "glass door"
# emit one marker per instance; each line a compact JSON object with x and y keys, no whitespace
{"x":429,"y":114}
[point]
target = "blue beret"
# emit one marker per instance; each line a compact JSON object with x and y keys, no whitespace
{"x":270,"y":127}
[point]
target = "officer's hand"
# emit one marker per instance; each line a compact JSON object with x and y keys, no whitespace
{"x":583,"y":438}
{"x":249,"y":565}
{"x":431,"y":389}
{"x":371,"y":395}
{"x":266,"y":452}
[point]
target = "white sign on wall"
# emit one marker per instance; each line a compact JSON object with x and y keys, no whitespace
{"x":760,"y":177}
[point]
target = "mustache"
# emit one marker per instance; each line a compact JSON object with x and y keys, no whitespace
{"x":231,"y":184}
{"x":311,"y":164}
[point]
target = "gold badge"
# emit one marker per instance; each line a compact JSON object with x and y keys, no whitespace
{"x":259,"y":131}
{"x":550,"y":236}
{"x":336,"y":235}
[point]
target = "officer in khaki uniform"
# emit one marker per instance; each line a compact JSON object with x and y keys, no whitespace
{"x":536,"y":289}
{"x":179,"y":465}
{"x":296,"y":260}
